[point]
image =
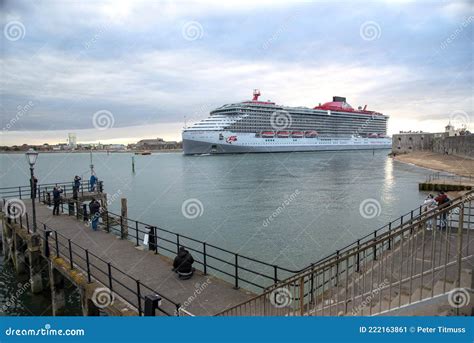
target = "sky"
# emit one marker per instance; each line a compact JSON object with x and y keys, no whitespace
{"x":119,"y":71}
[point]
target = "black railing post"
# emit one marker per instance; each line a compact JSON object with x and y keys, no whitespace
{"x":70,"y":254}
{"x":88,"y":267}
{"x":85,"y":216}
{"x":375,"y":246}
{"x":56,"y":242}
{"x":82,"y":188}
{"x":358,"y":257}
{"x":107,"y":221}
{"x":19,"y":191}
{"x":337,"y":268}
{"x":236,"y":264}
{"x":136,"y":232}
{"x":204,"y":254}
{"x":46,"y":243}
{"x":139,"y":298}
{"x":177,"y":243}
{"x":390,"y":238}
{"x":27,"y":222}
{"x":121,"y":228}
{"x":155,"y":235}
{"x":275,"y":274}
{"x":109,"y":267}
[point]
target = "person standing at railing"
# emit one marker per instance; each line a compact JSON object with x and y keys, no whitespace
{"x":443,"y":201}
{"x":94,"y":209}
{"x":56,"y":199}
{"x":92,"y":182}
{"x":428,"y":205}
{"x":77,"y":185}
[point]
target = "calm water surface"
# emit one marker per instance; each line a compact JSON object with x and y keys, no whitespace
{"x":313,"y":198}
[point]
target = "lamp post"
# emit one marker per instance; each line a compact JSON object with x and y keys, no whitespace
{"x":31,"y":157}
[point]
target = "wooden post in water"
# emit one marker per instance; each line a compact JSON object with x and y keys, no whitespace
{"x":124,"y":221}
{"x":133,"y":164}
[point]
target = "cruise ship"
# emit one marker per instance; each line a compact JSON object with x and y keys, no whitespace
{"x":263,"y":126}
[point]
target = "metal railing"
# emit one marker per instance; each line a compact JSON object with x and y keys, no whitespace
{"x":41,"y":190}
{"x":449,"y":177}
{"x":229,"y":265}
{"x":236,"y":268}
{"x":119,"y":283}
{"x":409,"y":263}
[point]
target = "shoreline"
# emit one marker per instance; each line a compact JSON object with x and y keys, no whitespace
{"x":438,"y":162}
{"x":95,"y":151}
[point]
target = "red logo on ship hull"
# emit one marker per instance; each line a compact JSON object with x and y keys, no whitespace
{"x":231,"y":139}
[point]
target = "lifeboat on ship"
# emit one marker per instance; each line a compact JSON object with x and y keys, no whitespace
{"x":297,"y":134}
{"x":283,"y":134}
{"x":268,"y":134}
{"x":311,"y":134}
{"x":373,"y":135}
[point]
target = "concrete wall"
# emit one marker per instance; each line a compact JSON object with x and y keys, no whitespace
{"x":462,"y":146}
{"x":408,"y":142}
{"x":457,"y":145}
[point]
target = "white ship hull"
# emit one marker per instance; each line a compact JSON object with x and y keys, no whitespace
{"x":222,"y":142}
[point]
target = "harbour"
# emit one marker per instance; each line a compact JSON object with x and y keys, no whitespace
{"x":239,"y":171}
{"x":269,"y":235}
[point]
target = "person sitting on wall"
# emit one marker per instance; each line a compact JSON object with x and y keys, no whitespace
{"x":183,"y":264}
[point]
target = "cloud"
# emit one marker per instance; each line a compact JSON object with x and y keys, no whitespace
{"x":131,"y":59}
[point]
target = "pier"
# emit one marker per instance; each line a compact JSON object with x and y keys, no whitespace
{"x":446,"y":183}
{"x":409,"y":266}
{"x":115,"y":263}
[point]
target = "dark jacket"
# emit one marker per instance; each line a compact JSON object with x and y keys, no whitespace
{"x":77,"y":182}
{"x":57,"y":194}
{"x":183,"y":263}
{"x":94,"y":207}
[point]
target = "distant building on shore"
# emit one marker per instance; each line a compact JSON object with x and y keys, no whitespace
{"x":72,"y":141}
{"x":453,"y":141}
{"x":155,"y":144}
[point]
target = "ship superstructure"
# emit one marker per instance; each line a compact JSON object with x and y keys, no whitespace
{"x":263,"y":126}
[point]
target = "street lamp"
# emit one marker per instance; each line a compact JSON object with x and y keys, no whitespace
{"x":31,"y":157}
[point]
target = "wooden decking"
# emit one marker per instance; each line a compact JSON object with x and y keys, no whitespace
{"x":201,"y":295}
